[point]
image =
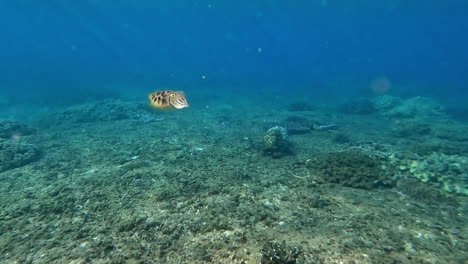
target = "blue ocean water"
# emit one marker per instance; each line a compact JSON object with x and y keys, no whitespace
{"x":325,"y":47}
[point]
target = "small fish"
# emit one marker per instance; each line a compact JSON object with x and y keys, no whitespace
{"x":168,"y":99}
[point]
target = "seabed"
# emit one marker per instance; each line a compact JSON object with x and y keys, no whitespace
{"x":115,"y":182}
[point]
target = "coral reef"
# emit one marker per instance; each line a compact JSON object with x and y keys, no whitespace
{"x":350,"y":168}
{"x":106,"y":110}
{"x":275,"y":142}
{"x":275,"y":252}
{"x":9,"y":129}
{"x":14,"y":154}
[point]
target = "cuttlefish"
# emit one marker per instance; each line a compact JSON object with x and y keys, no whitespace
{"x":168,"y":99}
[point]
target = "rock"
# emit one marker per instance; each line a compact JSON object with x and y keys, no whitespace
{"x":14,"y":154}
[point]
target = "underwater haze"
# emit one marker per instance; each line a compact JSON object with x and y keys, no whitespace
{"x":270,"y":132}
{"x":420,"y":46}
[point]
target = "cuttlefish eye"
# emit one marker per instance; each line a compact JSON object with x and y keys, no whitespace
{"x":172,"y":95}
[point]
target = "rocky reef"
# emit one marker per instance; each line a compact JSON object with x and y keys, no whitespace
{"x":14,"y":154}
{"x":351,"y":169}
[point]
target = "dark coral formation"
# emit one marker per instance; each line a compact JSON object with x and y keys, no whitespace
{"x":275,"y":252}
{"x":9,"y":128}
{"x":350,"y":168}
{"x":14,"y":154}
